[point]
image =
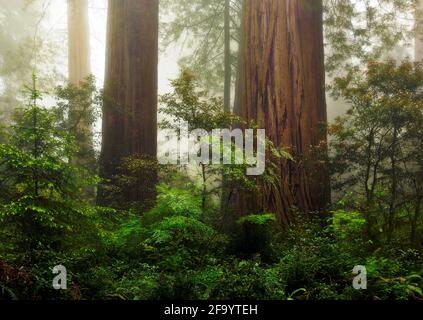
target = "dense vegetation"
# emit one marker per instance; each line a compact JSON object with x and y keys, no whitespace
{"x":128,"y":227}
{"x":187,"y":246}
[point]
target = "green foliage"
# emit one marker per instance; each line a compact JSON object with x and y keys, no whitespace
{"x":176,"y":231}
{"x":132,"y":172}
{"x":261,"y":219}
{"x":376,"y":147}
{"x":388,"y":280}
{"x":191,"y":105}
{"x":42,"y":212}
{"x":185,"y":247}
{"x":78,"y":108}
{"x":319,"y":262}
{"x":40,"y":185}
{"x":190,"y":21}
{"x":256,"y":234}
{"x":241,"y":279}
{"x":176,"y":202}
{"x":22,"y":49}
{"x":357,"y":31}
{"x":194,"y":106}
{"x":348,"y":225}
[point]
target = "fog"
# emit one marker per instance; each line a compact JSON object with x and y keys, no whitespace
{"x":53,"y":30}
{"x":56,"y":23}
{"x":218,"y":167}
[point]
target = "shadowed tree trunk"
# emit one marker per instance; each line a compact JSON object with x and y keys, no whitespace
{"x":130,"y":111}
{"x":282,"y":89}
{"x":80,"y":70}
{"x":415,"y":181}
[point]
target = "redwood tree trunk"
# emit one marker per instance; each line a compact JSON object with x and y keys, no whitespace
{"x":130,"y":111}
{"x":79,"y":45}
{"x":282,"y":88}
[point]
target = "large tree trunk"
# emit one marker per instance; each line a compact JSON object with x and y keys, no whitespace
{"x":130,"y":111}
{"x":282,"y":89}
{"x":79,"y":48}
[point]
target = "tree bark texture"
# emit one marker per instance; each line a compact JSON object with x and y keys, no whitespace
{"x":130,"y":111}
{"x":282,"y":89}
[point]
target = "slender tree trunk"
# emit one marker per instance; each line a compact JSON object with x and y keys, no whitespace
{"x":419,"y":36}
{"x":282,"y":88}
{"x":228,"y":62}
{"x":35,"y":151}
{"x":394,"y":183}
{"x":79,"y":70}
{"x":130,"y":113}
{"x":415,"y":219}
{"x":418,"y":58}
{"x":240,"y":61}
{"x":231,"y":197}
{"x":79,"y":45}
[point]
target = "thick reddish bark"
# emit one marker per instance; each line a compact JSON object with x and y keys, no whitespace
{"x":282,"y":89}
{"x":130,"y":111}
